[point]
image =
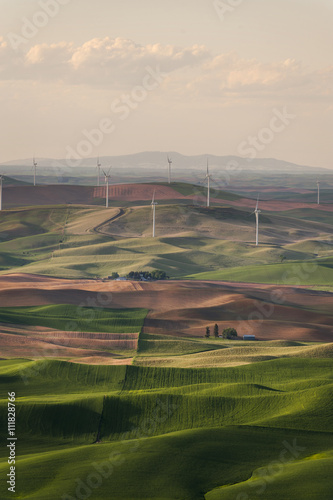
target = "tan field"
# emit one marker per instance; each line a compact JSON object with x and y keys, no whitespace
{"x":176,"y":308}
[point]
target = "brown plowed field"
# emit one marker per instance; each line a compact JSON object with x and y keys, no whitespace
{"x":181,"y":308}
{"x":25,"y":196}
{"x":19,"y":196}
{"x":140,"y":192}
{"x":279,"y":206}
{"x":38,"y":342}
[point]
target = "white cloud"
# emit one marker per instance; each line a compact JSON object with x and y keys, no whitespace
{"x":227,"y":79}
{"x":49,"y":55}
{"x":98,"y":61}
{"x":193,"y":72}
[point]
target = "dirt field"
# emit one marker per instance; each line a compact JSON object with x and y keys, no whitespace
{"x":279,"y":206}
{"x":180,"y":308}
{"x":141,"y":192}
{"x":25,"y":196}
{"x":18,"y":196}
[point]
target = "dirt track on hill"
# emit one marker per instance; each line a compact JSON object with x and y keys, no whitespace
{"x":181,"y":308}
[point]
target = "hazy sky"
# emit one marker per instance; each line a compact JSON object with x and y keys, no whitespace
{"x":252,"y":78}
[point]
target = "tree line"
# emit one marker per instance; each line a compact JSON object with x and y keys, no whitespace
{"x":227,"y":333}
{"x":143,"y":275}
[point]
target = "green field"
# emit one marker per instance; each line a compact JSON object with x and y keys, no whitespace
{"x":262,"y":430}
{"x":74,"y":318}
{"x":190,"y":418}
{"x":191,"y":240}
{"x":316,"y":272}
{"x":162,"y":351}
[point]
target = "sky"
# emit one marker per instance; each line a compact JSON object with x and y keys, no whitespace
{"x":252,"y":78}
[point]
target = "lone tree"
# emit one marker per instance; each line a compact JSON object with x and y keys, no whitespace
{"x":229,"y":333}
{"x":216,"y":330}
{"x":207,"y":332}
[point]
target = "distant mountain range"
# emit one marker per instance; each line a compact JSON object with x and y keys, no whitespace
{"x":157,"y":161}
{"x":227,"y":172}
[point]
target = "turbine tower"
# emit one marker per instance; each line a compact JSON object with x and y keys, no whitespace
{"x":318,"y":198}
{"x":1,"y":181}
{"x":107,"y":179}
{"x":98,"y":170}
{"x":34,"y":163}
{"x":208,"y":176}
{"x":257,"y":212}
{"x":153,"y":206}
{"x":169,"y":169}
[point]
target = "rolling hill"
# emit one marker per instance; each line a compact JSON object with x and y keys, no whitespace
{"x":191,"y":240}
{"x":56,"y":316}
{"x":118,"y":391}
{"x":182,"y":433}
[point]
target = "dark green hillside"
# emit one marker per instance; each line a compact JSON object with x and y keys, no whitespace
{"x":172,"y":433}
{"x":85,"y":319}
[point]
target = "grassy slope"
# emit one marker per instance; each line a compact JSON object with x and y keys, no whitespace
{"x":61,"y":242}
{"x":158,"y":351}
{"x":176,"y":430}
{"x":177,"y":466}
{"x":319,"y":272}
{"x":11,"y":181}
{"x":68,"y":317}
{"x":308,"y":478}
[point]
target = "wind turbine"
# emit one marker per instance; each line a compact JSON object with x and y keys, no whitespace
{"x":1,"y":181}
{"x":153,"y":206}
{"x":208,"y":176}
{"x":318,"y":198}
{"x":34,"y":166}
{"x":107,"y":178}
{"x":257,"y":212}
{"x":169,"y":169}
{"x":98,"y":170}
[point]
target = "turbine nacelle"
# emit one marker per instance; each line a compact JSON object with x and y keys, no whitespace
{"x":107,"y":174}
{"x":169,"y":169}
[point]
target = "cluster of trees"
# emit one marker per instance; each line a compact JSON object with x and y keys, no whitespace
{"x":147,"y":275}
{"x":142,"y":275}
{"x":227,"y":333}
